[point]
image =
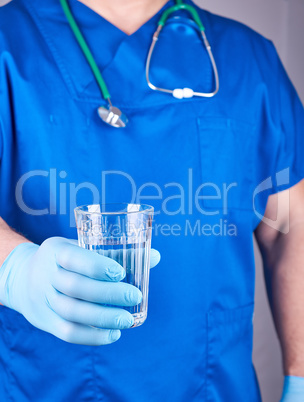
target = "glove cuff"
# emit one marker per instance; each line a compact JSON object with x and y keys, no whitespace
{"x":14,"y":261}
{"x":293,"y":389}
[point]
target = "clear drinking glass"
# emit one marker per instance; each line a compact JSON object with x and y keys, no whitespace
{"x":122,"y":232}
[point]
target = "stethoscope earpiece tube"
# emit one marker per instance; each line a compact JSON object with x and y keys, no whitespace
{"x":182,"y":93}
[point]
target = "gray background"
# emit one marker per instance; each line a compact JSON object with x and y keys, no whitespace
{"x":282,"y":21}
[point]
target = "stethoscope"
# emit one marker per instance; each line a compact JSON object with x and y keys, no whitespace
{"x":111,"y":114}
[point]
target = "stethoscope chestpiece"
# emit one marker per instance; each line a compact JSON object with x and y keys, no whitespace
{"x":112,"y":116}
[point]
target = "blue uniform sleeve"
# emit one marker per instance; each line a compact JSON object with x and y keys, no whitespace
{"x":2,"y":108}
{"x":5,"y":98}
{"x":3,"y":92}
{"x":283,"y":129}
{"x":1,"y":139}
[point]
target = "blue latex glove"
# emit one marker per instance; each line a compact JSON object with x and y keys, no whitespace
{"x":59,"y":287}
{"x":293,"y":390}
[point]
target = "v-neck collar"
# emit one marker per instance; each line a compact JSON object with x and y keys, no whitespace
{"x":107,"y":42}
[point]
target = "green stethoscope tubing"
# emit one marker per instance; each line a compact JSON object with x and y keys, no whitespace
{"x":86,"y":51}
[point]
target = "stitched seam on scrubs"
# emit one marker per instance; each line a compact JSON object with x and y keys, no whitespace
{"x":52,"y":49}
{"x":143,"y":105}
{"x":281,"y":135}
{"x":97,"y":394}
{"x":209,"y":363}
{"x":200,"y":157}
{"x":294,"y":176}
{"x":207,"y":360}
{"x":229,"y":316}
{"x":221,"y":123}
{"x":215,"y":320}
{"x":9,"y":365}
{"x":1,"y":138}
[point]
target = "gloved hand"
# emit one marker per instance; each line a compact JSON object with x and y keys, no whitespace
{"x":59,"y":287}
{"x":293,"y":390}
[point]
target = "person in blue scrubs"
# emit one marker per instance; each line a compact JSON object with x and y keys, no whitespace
{"x":211,"y":167}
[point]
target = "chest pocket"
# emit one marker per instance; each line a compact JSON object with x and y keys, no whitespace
{"x":226,"y":163}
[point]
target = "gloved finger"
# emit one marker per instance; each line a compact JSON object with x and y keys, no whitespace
{"x":154,"y":258}
{"x":73,"y":241}
{"x":71,"y":259}
{"x":79,"y":334}
{"x":86,"y":313}
{"x":85,"y":262}
{"x":92,"y":290}
{"x":127,"y":257}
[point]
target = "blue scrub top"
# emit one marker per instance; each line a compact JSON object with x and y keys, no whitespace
{"x":196,"y":344}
